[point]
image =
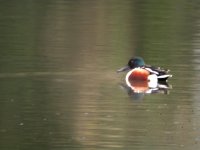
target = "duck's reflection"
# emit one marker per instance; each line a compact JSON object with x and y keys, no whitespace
{"x":138,"y":89}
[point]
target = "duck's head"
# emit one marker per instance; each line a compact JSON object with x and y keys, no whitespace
{"x":132,"y":63}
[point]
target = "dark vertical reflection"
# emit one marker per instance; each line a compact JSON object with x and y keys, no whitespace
{"x":165,"y":39}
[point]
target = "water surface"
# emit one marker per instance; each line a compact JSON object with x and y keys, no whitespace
{"x":59,"y":87}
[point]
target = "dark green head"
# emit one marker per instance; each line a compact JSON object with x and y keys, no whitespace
{"x":133,"y":63}
{"x":136,"y":62}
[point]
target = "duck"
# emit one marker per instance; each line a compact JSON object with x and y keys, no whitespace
{"x":139,"y":71}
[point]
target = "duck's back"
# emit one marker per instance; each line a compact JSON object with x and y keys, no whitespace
{"x":161,"y":73}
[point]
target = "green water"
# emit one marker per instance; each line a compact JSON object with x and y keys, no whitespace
{"x":58,"y":83}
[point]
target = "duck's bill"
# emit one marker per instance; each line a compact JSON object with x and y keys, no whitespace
{"x":125,"y":68}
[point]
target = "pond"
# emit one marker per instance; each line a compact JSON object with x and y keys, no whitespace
{"x":58,"y":83}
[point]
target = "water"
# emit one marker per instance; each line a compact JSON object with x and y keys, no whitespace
{"x":59,"y":87}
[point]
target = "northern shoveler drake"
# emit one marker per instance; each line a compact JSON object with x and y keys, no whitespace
{"x":139,"y":71}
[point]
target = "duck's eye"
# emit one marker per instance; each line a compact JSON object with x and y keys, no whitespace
{"x":131,"y":63}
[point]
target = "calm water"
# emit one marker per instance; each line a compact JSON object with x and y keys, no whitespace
{"x":58,"y":83}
